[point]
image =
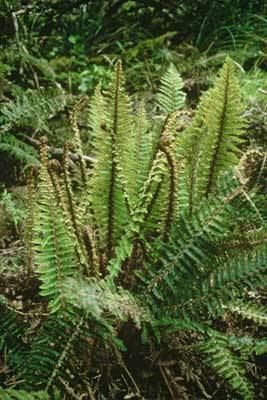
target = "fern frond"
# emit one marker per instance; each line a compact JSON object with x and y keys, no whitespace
{"x":72,"y":208}
{"x":208,"y":295}
{"x":33,"y":109}
{"x":227,"y":365}
{"x":142,"y":149}
{"x":99,"y":299}
{"x":171,"y":96}
{"x":14,"y":146}
{"x":139,"y":216}
{"x":190,"y":244}
{"x":254,"y":312}
{"x":164,"y":206}
{"x":11,"y":334}
{"x":13,"y":394}
{"x":30,"y":220}
{"x":101,"y":174}
{"x":224,"y":123}
{"x":248,"y":346}
{"x":50,"y":350}
{"x":54,"y":247}
{"x":211,"y":143}
{"x":77,"y":143}
{"x":112,"y":179}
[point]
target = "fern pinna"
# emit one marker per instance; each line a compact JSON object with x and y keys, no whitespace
{"x":163,"y":233}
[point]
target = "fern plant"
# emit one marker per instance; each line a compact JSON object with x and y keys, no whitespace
{"x":30,"y":112}
{"x":148,"y":242}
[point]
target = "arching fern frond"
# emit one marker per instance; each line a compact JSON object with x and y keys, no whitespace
{"x":222,"y":359}
{"x":15,"y":146}
{"x":51,"y":350}
{"x":253,"y":312}
{"x":33,"y":108}
{"x":190,"y":244}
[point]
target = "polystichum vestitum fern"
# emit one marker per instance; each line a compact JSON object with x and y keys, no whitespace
{"x":153,"y":232}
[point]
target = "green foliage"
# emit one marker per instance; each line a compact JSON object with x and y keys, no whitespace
{"x":210,"y":143}
{"x":163,"y":233}
{"x":12,"y":394}
{"x":55,"y":257}
{"x":31,"y":111}
{"x":11,"y":209}
{"x":226,"y":364}
{"x":171,"y":97}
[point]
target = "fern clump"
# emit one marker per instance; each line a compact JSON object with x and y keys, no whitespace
{"x":164,"y":232}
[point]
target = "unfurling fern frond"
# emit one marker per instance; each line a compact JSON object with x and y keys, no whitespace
{"x":54,"y":246}
{"x":171,"y":96}
{"x":112,"y":138}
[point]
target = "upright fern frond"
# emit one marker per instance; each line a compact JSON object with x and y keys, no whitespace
{"x":164,"y":205}
{"x":212,"y":141}
{"x":224,"y":124}
{"x":142,"y":150}
{"x":171,"y":97}
{"x":70,"y":211}
{"x":54,"y":247}
{"x":77,"y":142}
{"x":112,"y":171}
{"x":30,"y":220}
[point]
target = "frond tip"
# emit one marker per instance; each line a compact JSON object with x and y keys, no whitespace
{"x":171,"y":96}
